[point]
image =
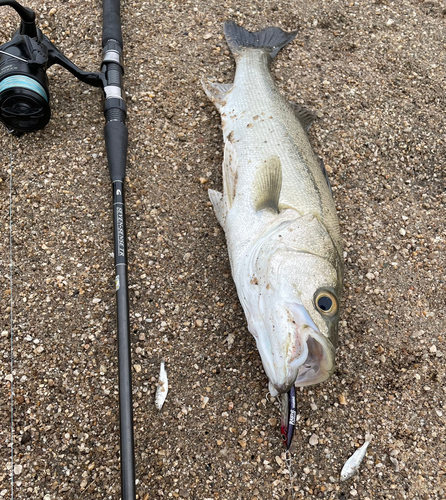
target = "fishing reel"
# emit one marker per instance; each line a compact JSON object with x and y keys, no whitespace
{"x":24,"y":88}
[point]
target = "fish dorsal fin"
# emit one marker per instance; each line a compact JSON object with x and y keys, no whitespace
{"x":230,"y":165}
{"x":217,"y":92}
{"x":305,"y":116}
{"x":268,"y":185}
{"x":219,"y":206}
{"x":324,"y":171}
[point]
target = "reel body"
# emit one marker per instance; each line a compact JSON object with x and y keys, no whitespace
{"x":24,"y":87}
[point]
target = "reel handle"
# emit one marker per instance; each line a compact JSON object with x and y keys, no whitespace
{"x":56,"y":57}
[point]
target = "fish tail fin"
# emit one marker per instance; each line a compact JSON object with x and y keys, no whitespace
{"x":270,"y":38}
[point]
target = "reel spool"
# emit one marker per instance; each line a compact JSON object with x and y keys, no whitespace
{"x":24,"y":87}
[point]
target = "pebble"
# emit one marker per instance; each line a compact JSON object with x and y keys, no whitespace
{"x":402,"y":232}
{"x":314,"y":439}
{"x":342,"y":399}
{"x":96,"y":300}
{"x":395,"y":464}
{"x":18,"y":469}
{"x":433,"y":348}
{"x":370,"y":276}
{"x":230,"y":339}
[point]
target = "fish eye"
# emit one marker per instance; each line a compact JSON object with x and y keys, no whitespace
{"x":326,"y":303}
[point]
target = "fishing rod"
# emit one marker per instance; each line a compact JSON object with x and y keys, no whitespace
{"x":25,"y":107}
{"x":116,"y":143}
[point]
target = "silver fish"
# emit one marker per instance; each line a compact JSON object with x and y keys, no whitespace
{"x":352,"y":465}
{"x":279,"y":217}
{"x":162,"y":389}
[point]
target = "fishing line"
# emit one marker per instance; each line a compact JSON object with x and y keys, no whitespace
{"x":12,"y":329}
{"x":13,"y":56}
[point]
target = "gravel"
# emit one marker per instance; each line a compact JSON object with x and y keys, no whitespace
{"x":374,"y":73}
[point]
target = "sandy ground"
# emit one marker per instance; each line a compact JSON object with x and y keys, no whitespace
{"x":375,"y":71}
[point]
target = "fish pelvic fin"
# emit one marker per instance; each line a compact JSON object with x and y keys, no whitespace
{"x":217,"y":92}
{"x":270,"y":38}
{"x":219,"y":206}
{"x":268,"y":184}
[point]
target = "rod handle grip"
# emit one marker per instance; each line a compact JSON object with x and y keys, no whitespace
{"x":116,"y":142}
{"x":111,"y":22}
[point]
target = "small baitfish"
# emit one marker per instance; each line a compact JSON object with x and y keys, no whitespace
{"x":162,"y":389}
{"x":279,"y":217}
{"x":352,"y":465}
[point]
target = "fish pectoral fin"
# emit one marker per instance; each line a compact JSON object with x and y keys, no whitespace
{"x":217,"y":92}
{"x":268,"y":185}
{"x":219,"y":206}
{"x":305,"y":116}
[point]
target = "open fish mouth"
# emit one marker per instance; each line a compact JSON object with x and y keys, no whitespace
{"x":298,"y":355}
{"x":319,"y":364}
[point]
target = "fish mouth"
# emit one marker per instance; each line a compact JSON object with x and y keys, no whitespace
{"x":301,"y":357}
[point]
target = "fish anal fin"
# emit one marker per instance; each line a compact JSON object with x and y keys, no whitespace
{"x":324,"y":171}
{"x":305,"y":116}
{"x":268,"y":184}
{"x":219,"y":206}
{"x":217,"y":92}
